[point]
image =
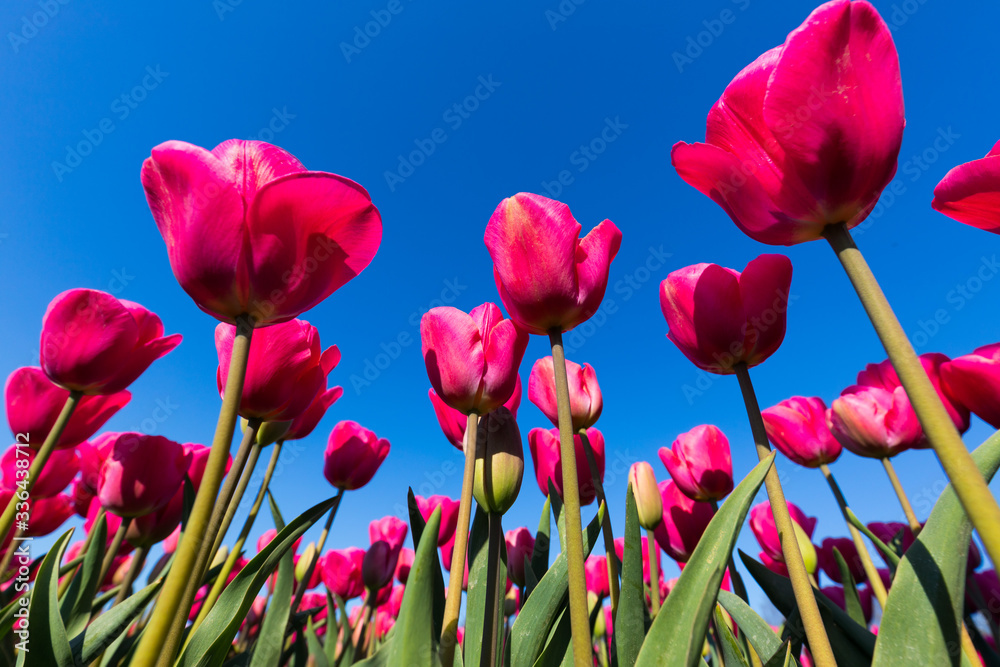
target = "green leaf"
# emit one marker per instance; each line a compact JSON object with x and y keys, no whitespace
{"x":417,"y":526}
{"x":678,"y":632}
{"x":559,"y":640}
{"x":555,"y":500}
{"x":758,"y":632}
{"x":630,"y":625}
{"x":531,"y":627}
{"x":476,"y":612}
{"x":76,"y":604}
{"x":852,"y":602}
{"x":111,"y":625}
{"x":732,"y":652}
{"x":316,"y":655}
{"x":921,"y":623}
{"x":540,"y":554}
{"x":212,"y":640}
{"x":271,"y":642}
{"x":45,"y":637}
{"x":883,"y":548}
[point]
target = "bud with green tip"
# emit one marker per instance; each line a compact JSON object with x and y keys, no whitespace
{"x":499,"y":461}
{"x":302,"y":564}
{"x":648,"y":501}
{"x":271,"y":432}
{"x":806,"y":548}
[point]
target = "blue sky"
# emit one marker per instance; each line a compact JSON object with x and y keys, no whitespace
{"x":625,"y":80}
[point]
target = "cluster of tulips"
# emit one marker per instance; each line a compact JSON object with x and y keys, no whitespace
{"x":799,"y":147}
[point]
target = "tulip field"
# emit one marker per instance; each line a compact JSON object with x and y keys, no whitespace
{"x":188,"y":557}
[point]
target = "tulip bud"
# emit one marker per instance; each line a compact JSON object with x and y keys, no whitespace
{"x":304,"y":561}
{"x":220,"y":557}
{"x":600,"y":625}
{"x":511,"y":602}
{"x":499,"y":461}
{"x":806,"y":548}
{"x":378,"y":566}
{"x":520,"y":545}
{"x":269,"y":432}
{"x":648,"y":502}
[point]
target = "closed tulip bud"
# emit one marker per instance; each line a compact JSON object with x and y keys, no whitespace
{"x":585,"y":401}
{"x":353,"y":456}
{"x":499,"y":462}
{"x":512,"y":602}
{"x":403,"y":566}
{"x":969,"y":193}
{"x":520,"y":546}
{"x":648,"y":503}
{"x":547,"y":458}
{"x":378,"y":566}
{"x":764,"y":529}
{"x":601,"y":622}
{"x":269,"y":432}
{"x":341,"y":572}
{"x":596,"y":569}
{"x":806,"y":548}
{"x":874,"y":422}
{"x":973,"y":381}
{"x":700,"y":463}
{"x":797,"y":428}
{"x":302,"y":564}
{"x":453,"y":422}
{"x":548,"y":278}
{"x":141,"y":474}
{"x":719,"y":317}
{"x":449,"y":514}
{"x":684,"y":522}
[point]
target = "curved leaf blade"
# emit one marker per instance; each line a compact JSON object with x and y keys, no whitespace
{"x":630,"y":625}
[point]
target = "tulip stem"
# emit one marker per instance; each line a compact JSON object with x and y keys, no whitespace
{"x":971,"y":488}
{"x":8,"y":556}
{"x":138,"y":561}
{"x":153,"y":646}
{"x":805,"y":600}
{"x":654,"y":574}
{"x":23,"y":493}
{"x":234,"y":503}
{"x":491,"y":619}
{"x":897,"y":486}
{"x":609,"y":536}
{"x":453,"y":604}
{"x":578,"y":612}
{"x":314,"y":558}
{"x":874,"y":580}
{"x":734,"y":575}
{"x":114,"y":548}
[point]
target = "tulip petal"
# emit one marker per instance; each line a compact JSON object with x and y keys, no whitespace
{"x":596,"y":251}
{"x":454,"y":356}
{"x":698,"y":303}
{"x":255,"y":164}
{"x":504,"y":347}
{"x":764,"y":286}
{"x":970,"y":193}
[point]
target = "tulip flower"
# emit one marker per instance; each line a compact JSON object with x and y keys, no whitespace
{"x":719,"y":317}
{"x":499,"y":465}
{"x":403,"y":566}
{"x":395,"y":600}
{"x":453,"y":422}
{"x":378,"y":566}
{"x":141,"y":474}
{"x":797,"y":428}
{"x":46,"y":515}
{"x":54,"y":477}
{"x":596,"y":568}
{"x":684,"y":522}
{"x":472,"y":359}
{"x":828,"y":562}
{"x":353,"y":456}
{"x":649,"y":504}
{"x":585,"y":400}
{"x":974,"y":381}
{"x":389,"y":529}
{"x":341,"y":572}
{"x":520,"y":546}
{"x":893,"y":531}
{"x":544,"y":446}
{"x":548,"y":278}
{"x":449,"y":515}
{"x":805,"y":136}
{"x":764,"y":529}
{"x":874,"y":422}
{"x":287,"y":369}
{"x":970,"y":192}
{"x":34,"y":402}
{"x":92,"y":343}
{"x":250,"y":232}
{"x":700,"y":463}
{"x":306,"y":422}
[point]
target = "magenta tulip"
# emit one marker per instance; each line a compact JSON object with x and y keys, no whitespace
{"x":141,"y":474}
{"x":57,"y":474}
{"x":719,"y":317}
{"x":890,"y":531}
{"x":764,"y":529}
{"x":378,"y":566}
{"x":874,"y":422}
{"x":453,"y":422}
{"x":970,"y":193}
{"x":808,"y":134}
{"x":341,"y":572}
{"x":828,"y":562}
{"x":34,"y":402}
{"x":353,"y":456}
{"x":596,"y":569}
{"x":95,"y":344}
{"x":545,"y":454}
{"x":585,"y":402}
{"x":393,"y":532}
{"x":82,"y":497}
{"x":548,"y":278}
{"x":797,"y":428}
{"x":684,"y":522}
{"x":449,"y":515}
{"x":520,"y":547}
{"x":46,"y":515}
{"x":250,"y":232}
{"x":700,"y":463}
{"x":974,"y":382}
{"x":472,"y":359}
{"x":306,"y":422}
{"x":404,"y":564}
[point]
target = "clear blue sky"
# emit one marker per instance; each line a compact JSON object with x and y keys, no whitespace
{"x":226,"y":70}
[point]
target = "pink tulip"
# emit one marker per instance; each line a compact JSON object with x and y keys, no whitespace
{"x":353,"y":456}
{"x":142,"y":474}
{"x":91,"y":459}
{"x":828,"y":562}
{"x":974,"y":382}
{"x":395,"y":600}
{"x":57,"y":474}
{"x":46,"y":515}
{"x":306,"y":422}
{"x":143,"y":531}
{"x":684,"y":522}
{"x":764,"y":529}
{"x":809,"y":133}
{"x":449,"y":515}
{"x":719,"y":317}
{"x":447,"y":551}
{"x":889,"y":530}
{"x":378,"y":566}
{"x":34,"y":402}
{"x":797,"y":428}
{"x":391,"y":530}
{"x":773,"y":564}
{"x":548,"y":278}
{"x":287,"y":369}
{"x":453,"y":422}
{"x":700,"y":463}
{"x":596,"y":569}
{"x":520,"y":546}
{"x":970,"y":193}
{"x":472,"y":359}
{"x":874,"y":422}
{"x":341,"y":572}
{"x":544,"y":446}
{"x":249,"y":231}
{"x":404,"y":565}
{"x":585,"y":402}
{"x":95,"y":344}
{"x":82,"y":497}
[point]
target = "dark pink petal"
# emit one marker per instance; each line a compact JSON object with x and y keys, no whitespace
{"x":704,"y":311}
{"x":970,"y":193}
{"x":596,"y":251}
{"x":764,"y":287}
{"x":454,"y":356}
{"x":255,"y":164}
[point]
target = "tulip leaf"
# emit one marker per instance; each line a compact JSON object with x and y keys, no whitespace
{"x":540,"y":554}
{"x":758,"y":632}
{"x":332,"y":629}
{"x":76,"y":604}
{"x":271,"y":642}
{"x":110,"y":626}
{"x":732,"y":652}
{"x":317,"y":657}
{"x":45,"y":636}
{"x":417,"y":526}
{"x":559,"y":647}
{"x":922,"y":621}
{"x":476,"y":612}
{"x":532,"y":626}
{"x":677,"y":635}
{"x":555,"y":500}
{"x":852,"y":602}
{"x":630,"y":625}
{"x":214,"y":637}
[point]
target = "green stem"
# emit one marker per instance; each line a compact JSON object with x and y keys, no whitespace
{"x":609,"y":536}
{"x":911,"y":517}
{"x":734,"y":575}
{"x":491,"y":617}
{"x":314,"y":559}
{"x":138,"y":561}
{"x":819,"y":643}
{"x":453,"y":604}
{"x":583,"y":653}
{"x":968,"y":482}
{"x":234,"y":502}
{"x":654,"y":574}
{"x":116,"y":545}
{"x":151,"y":648}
